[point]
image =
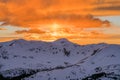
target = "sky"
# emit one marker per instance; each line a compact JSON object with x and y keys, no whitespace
{"x":80,"y":21}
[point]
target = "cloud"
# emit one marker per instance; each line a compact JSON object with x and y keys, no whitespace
{"x":2,"y":29}
{"x":109,"y":7}
{"x":106,"y":1}
{"x":37,"y":31}
{"x":34,"y":13}
{"x":103,"y":8}
{"x":115,"y":36}
{"x":87,"y":21}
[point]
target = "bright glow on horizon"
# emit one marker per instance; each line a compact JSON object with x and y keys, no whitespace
{"x":55,"y":27}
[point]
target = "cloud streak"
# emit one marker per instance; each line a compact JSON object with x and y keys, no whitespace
{"x":3,"y":29}
{"x":114,"y":8}
{"x":37,"y":31}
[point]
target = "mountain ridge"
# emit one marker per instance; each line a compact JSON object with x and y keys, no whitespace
{"x":58,"y":60}
{"x":58,"y":40}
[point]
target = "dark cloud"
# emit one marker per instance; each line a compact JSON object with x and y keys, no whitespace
{"x":104,"y":2}
{"x":4,"y":1}
{"x":105,"y":8}
{"x":37,"y":31}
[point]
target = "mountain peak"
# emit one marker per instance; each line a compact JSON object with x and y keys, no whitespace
{"x":62,"y":40}
{"x":19,"y":40}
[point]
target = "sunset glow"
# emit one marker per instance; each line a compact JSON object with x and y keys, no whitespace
{"x":83,"y":22}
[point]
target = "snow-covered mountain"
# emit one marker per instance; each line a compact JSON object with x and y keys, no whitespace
{"x":58,"y":60}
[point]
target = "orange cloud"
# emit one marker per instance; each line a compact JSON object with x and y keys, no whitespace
{"x":2,"y":29}
{"x":33,"y":13}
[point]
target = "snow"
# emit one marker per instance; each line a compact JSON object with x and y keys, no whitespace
{"x":37,"y":55}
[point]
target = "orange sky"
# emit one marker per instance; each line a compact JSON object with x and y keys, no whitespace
{"x":48,"y":20}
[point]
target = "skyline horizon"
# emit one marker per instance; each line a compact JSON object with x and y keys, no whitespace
{"x":51,"y":41}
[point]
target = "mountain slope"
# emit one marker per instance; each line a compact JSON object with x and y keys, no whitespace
{"x":58,"y":60}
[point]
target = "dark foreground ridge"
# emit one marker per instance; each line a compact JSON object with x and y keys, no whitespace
{"x":33,"y":72}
